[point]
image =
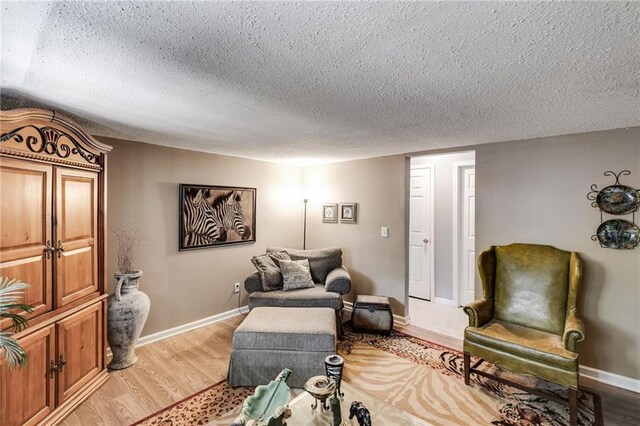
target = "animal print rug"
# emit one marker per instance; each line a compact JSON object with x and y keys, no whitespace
{"x":427,"y":381}
{"x":417,"y":376}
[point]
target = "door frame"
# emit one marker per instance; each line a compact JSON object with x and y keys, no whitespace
{"x":457,"y":209}
{"x":432,"y":212}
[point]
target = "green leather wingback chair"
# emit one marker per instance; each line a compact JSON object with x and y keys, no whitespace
{"x":527,"y":321}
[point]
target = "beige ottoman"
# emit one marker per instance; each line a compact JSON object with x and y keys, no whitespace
{"x":271,"y":339}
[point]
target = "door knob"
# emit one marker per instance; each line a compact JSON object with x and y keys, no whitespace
{"x":52,"y":369}
{"x":426,"y":240}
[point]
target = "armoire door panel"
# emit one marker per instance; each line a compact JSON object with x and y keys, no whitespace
{"x":78,"y":269}
{"x":25,"y":229}
{"x":27,"y":395}
{"x":77,"y":199}
{"x":76,"y":234}
{"x":31,"y":270}
{"x":79,"y":349}
{"x":25,"y":188}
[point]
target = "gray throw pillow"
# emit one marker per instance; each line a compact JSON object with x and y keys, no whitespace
{"x":296,"y":274}
{"x":268,"y":269}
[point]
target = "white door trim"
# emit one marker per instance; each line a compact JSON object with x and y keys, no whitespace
{"x":457,"y":264}
{"x":432,"y":212}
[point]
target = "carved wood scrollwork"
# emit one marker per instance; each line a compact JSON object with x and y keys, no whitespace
{"x":51,"y":141}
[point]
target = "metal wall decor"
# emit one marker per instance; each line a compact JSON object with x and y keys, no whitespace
{"x":617,"y":200}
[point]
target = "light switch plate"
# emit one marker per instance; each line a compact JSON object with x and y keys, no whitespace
{"x":384,"y":232}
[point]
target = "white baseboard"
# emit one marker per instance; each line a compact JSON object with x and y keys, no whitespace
{"x":150,"y":338}
{"x":445,"y":302}
{"x":397,"y":319}
{"x":612,"y":379}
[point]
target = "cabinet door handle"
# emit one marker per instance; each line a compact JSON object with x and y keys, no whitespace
{"x":49,"y":249}
{"x":61,"y":363}
{"x":52,"y":369}
{"x":60,"y":248}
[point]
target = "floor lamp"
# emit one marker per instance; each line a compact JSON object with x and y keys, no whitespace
{"x":304,"y":228}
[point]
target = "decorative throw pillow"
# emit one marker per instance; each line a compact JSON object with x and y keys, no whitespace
{"x":321,"y":261}
{"x":268,"y":269}
{"x":296,"y":274}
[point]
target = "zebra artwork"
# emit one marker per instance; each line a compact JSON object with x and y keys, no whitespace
{"x":213,"y":216}
{"x":228,"y":214}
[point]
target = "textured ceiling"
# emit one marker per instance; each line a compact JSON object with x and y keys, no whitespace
{"x":324,"y":81}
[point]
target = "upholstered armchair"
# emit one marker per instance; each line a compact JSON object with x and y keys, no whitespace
{"x":331,"y":279}
{"x":527,"y":321}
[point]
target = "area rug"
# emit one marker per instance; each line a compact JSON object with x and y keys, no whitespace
{"x":415,"y":375}
{"x":427,"y":381}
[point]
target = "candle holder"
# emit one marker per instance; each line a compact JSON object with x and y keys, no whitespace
{"x":334,"y":365}
{"x":321,"y":388}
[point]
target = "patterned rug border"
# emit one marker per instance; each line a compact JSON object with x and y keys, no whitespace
{"x":597,"y":400}
{"x":169,"y":407}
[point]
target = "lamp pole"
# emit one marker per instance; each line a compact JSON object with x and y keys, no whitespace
{"x":304,"y":228}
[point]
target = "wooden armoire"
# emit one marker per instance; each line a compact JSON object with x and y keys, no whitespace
{"x":53,"y":208}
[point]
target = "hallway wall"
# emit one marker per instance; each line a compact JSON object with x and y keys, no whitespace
{"x":444,"y":217}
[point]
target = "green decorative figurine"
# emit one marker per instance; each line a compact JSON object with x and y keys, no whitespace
{"x":268,"y":406}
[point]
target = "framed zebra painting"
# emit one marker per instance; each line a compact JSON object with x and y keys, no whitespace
{"x":212,"y":216}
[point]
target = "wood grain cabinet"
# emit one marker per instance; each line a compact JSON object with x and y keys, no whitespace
{"x":52,"y":236}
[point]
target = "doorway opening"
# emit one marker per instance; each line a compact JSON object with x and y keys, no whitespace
{"x":441,"y":241}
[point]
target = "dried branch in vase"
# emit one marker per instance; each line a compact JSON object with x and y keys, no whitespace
{"x":127,"y":238}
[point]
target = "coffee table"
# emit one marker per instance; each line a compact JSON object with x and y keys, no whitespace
{"x":382,"y":413}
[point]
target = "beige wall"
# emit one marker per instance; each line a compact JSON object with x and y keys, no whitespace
{"x":187,"y":286}
{"x":530,"y":191}
{"x":535,"y":192}
{"x":377,"y":265}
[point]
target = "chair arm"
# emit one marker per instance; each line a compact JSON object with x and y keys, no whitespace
{"x":573,"y":332}
{"x":338,"y":281}
{"x":253,"y":283}
{"x":479,"y":311}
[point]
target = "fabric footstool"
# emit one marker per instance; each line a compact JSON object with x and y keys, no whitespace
{"x":271,"y":339}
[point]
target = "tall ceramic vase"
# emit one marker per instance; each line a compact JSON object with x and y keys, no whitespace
{"x":127,"y":311}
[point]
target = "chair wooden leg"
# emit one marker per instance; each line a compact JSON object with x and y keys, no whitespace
{"x":467,"y":368}
{"x":573,"y":407}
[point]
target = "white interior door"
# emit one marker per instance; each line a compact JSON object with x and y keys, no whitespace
{"x":468,"y":234}
{"x":421,"y":274}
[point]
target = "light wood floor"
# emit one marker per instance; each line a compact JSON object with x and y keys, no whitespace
{"x":174,"y":368}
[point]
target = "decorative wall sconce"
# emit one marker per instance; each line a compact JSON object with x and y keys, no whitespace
{"x":617,"y":200}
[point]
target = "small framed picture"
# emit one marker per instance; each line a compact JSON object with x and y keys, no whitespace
{"x":330,"y":213}
{"x":348,"y":212}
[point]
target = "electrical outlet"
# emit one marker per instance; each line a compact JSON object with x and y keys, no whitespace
{"x":384,"y":232}
{"x":236,"y":287}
